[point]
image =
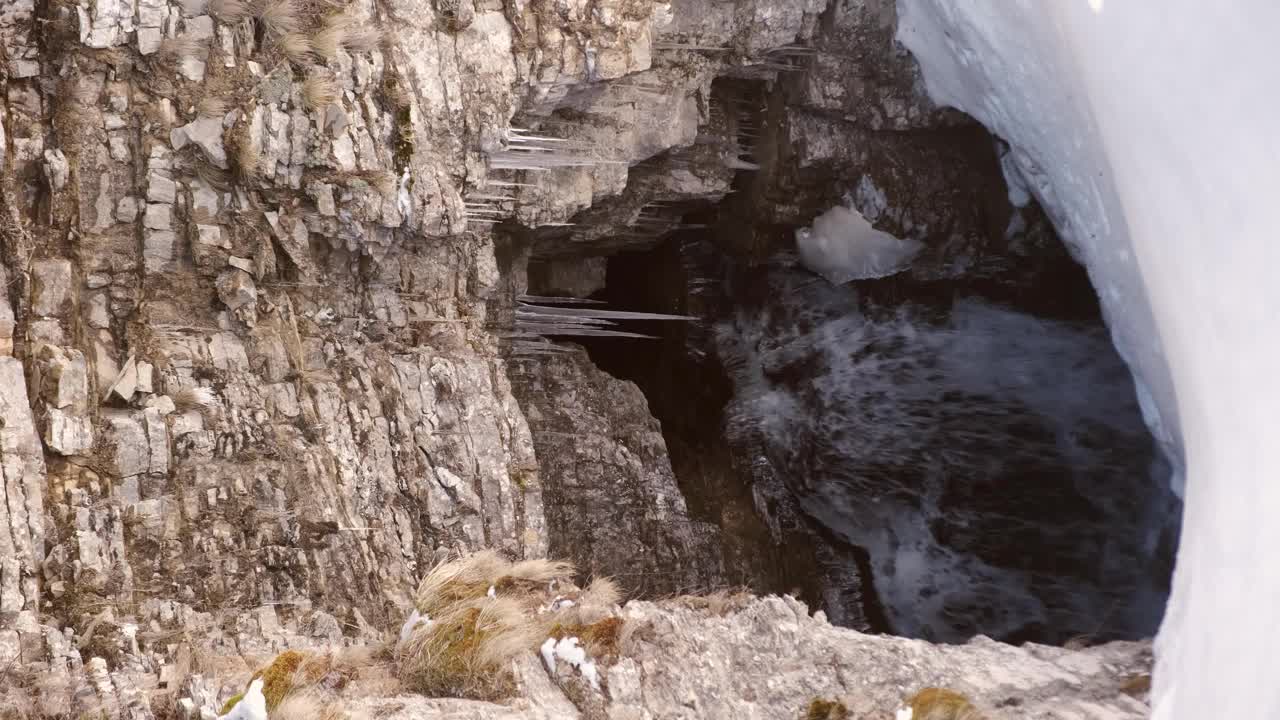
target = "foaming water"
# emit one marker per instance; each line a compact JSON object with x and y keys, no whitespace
{"x":994,"y":465}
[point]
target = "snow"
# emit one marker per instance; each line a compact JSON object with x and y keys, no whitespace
{"x":904,"y":714}
{"x":253,"y":706}
{"x":556,"y":604}
{"x":1149,"y":134}
{"x":842,"y":246}
{"x":412,"y":623}
{"x":568,"y":650}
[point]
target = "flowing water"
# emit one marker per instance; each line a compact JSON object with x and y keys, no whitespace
{"x":993,"y":465}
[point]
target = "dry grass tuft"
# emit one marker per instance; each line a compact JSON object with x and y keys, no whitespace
{"x":245,"y":160}
{"x":318,"y":92}
{"x":195,"y":398}
{"x":458,"y":581}
{"x":300,"y":686}
{"x":942,"y":704}
{"x":212,"y":106}
{"x":602,"y":592}
{"x":485,"y":611}
{"x":467,"y":650}
{"x":309,"y":706}
{"x":720,"y":602}
{"x":602,"y":639}
{"x":284,"y":674}
{"x":823,"y":709}
{"x":362,"y":40}
{"x":296,"y":47}
{"x":279,"y":17}
{"x":1136,"y":685}
{"x":384,"y":181}
{"x":329,"y":39}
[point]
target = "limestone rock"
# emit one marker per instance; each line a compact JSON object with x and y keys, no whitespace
{"x":62,"y":382}
{"x":125,"y":383}
{"x":771,"y":659}
{"x":602,"y":455}
{"x":205,"y":132}
{"x":52,"y":287}
{"x":55,"y":169}
{"x":238,"y":292}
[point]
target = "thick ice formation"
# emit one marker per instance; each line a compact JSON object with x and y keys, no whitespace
{"x":842,"y":246}
{"x":1151,"y":134}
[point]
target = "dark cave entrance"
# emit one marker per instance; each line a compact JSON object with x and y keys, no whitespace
{"x":688,"y":389}
{"x":928,"y":457}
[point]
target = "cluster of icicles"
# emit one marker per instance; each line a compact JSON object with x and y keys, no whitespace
{"x":537,"y":319}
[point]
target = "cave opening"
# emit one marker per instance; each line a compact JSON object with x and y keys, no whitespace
{"x":1014,"y":511}
{"x":951,"y":450}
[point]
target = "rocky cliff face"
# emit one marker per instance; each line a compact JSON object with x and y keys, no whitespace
{"x":259,"y":267}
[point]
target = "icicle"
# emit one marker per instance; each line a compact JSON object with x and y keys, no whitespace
{"x":562,"y":300}
{"x":610,"y":314}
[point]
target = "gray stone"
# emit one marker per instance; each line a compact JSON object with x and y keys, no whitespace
{"x":130,"y":453}
{"x":199,"y":27}
{"x":771,"y":659}
{"x":52,"y":282}
{"x":145,"y":373}
{"x":56,"y":169}
{"x":125,"y":383}
{"x":206,"y":132}
{"x":127,"y":209}
{"x":160,"y":189}
{"x":236,"y":288}
{"x":158,"y":249}
{"x":99,"y":315}
{"x":192,"y":68}
{"x":62,"y":379}
{"x":602,"y":454}
{"x":211,"y":236}
{"x":158,"y":216}
{"x":157,"y":440}
{"x":7,"y":323}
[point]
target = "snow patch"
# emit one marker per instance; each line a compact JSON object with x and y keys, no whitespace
{"x":253,"y":706}
{"x":556,"y":604}
{"x":569,"y":650}
{"x":1158,"y":140}
{"x":411,"y":624}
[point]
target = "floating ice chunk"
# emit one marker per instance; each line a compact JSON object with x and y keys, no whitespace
{"x":842,"y":246}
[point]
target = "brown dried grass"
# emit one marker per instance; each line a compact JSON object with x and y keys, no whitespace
{"x":318,"y":92}
{"x":279,"y":17}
